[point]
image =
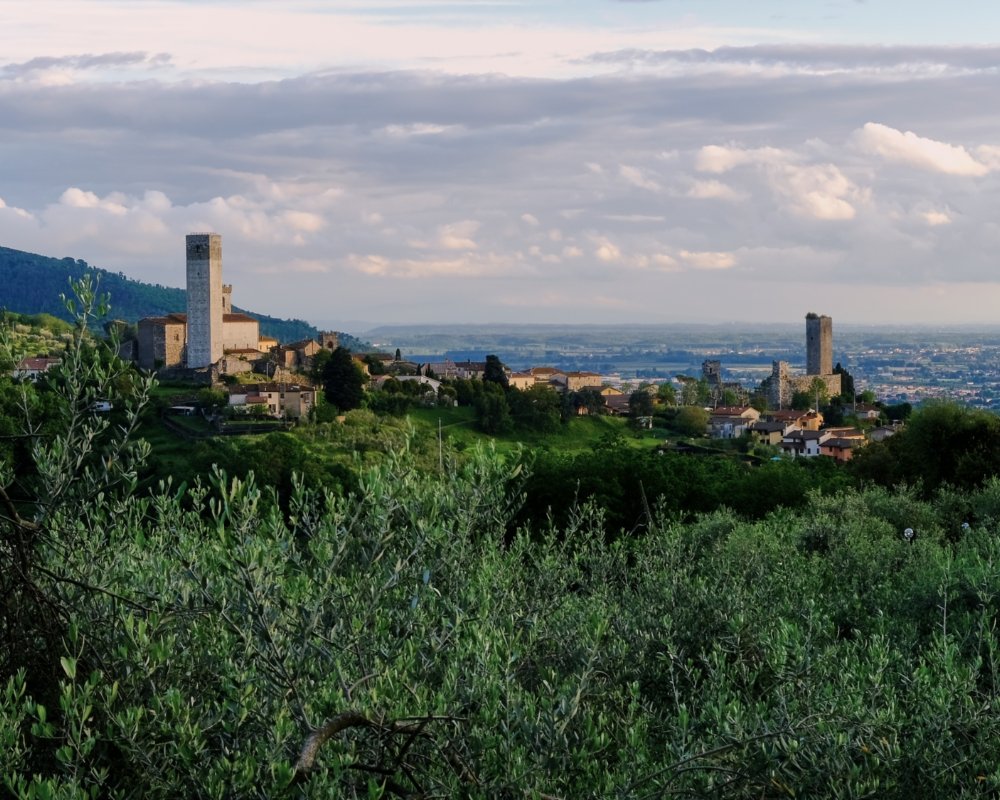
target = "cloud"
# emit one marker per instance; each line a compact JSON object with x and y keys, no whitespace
{"x":83,"y":62}
{"x":606,"y":250}
{"x":936,"y":218}
{"x":635,"y":177}
{"x":814,"y":58}
{"x":719,"y":159}
{"x":464,"y":266}
{"x":530,"y":219}
{"x":458,"y":235}
{"x":916,"y":151}
{"x":712,"y":190}
{"x":820,"y":191}
{"x":708,"y":260}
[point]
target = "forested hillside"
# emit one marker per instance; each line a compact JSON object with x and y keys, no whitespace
{"x":31,"y":284}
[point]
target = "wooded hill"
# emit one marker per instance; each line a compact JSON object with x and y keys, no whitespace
{"x":32,"y":284}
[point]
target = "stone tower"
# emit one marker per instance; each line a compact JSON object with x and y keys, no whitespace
{"x":205,"y":299}
{"x":819,"y":344}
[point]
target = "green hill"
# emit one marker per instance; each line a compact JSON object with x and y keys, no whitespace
{"x":31,"y":284}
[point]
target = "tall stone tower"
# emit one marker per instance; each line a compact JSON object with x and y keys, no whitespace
{"x":205,"y":299}
{"x":819,"y":344}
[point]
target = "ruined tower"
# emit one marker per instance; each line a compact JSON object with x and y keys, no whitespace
{"x":819,"y":344}
{"x":205,"y":299}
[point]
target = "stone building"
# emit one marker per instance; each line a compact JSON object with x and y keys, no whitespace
{"x":210,"y":329}
{"x":819,"y":344}
{"x":711,"y":371}
{"x":161,"y":341}
{"x":205,"y":299}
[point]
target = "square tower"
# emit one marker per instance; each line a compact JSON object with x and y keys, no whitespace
{"x":819,"y":344}
{"x":205,"y":299}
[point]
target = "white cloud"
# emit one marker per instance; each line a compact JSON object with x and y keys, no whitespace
{"x":820,"y":191}
{"x":936,"y":218}
{"x":530,"y":219}
{"x":304,"y":221}
{"x":908,"y":148}
{"x":467,"y":265}
{"x":636,"y":177}
{"x":606,"y":250}
{"x":665,"y":263}
{"x":718,"y":159}
{"x":458,"y":235}
{"x":712,"y":190}
{"x":708,"y":260}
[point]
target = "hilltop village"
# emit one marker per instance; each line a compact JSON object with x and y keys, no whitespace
{"x":256,"y":377}
{"x":210,"y":345}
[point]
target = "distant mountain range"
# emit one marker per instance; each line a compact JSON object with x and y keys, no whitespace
{"x":31,"y":284}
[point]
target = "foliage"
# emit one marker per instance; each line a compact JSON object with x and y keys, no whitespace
{"x":494,"y":372}
{"x":425,"y":633}
{"x":492,"y":409}
{"x":942,"y":444}
{"x":537,"y":408}
{"x":62,"y":456}
{"x":343,"y":381}
{"x":691,"y":421}
{"x":388,"y":645}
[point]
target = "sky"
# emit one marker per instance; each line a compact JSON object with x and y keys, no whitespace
{"x":567,"y":161}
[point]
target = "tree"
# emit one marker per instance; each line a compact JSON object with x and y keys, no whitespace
{"x":494,"y":372}
{"x":536,"y":408}
{"x":343,"y":380}
{"x":691,"y":421}
{"x":666,"y":394}
{"x":492,"y":411}
{"x":640,"y":404}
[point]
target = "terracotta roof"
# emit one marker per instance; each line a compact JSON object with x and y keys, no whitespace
{"x":40,"y":363}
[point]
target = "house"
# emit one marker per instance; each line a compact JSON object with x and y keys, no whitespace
{"x":617,"y":404}
{"x":610,"y":391}
{"x":865,"y":411}
{"x":545,"y":374}
{"x":521,"y":380}
{"x":804,"y":420}
{"x":882,"y":433}
{"x":33,"y":366}
{"x":292,"y":401}
{"x":840,"y":449}
{"x":846,"y":433}
{"x":770,"y":432}
{"x":296,"y":355}
{"x":728,"y":426}
{"x":748,"y":413}
{"x":575,"y":381}
{"x":804,"y":443}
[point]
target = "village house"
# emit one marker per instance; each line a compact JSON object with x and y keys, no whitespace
{"x":577,"y":381}
{"x":290,"y":401}
{"x":804,"y":443}
{"x":521,"y":380}
{"x":840,"y":449}
{"x":30,"y":368}
{"x":771,"y":433}
{"x":804,"y":420}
